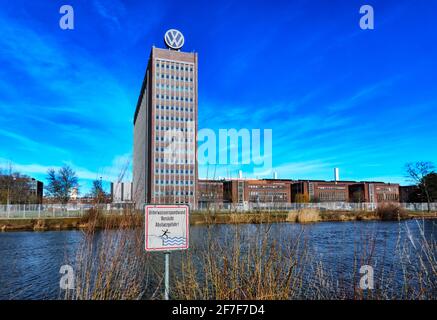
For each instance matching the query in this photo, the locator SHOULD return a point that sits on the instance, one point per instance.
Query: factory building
(210, 193)
(243, 191)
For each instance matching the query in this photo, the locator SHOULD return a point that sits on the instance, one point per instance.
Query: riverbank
(45, 224)
(300, 216)
(202, 218)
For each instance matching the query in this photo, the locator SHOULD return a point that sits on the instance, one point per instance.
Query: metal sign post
(166, 230)
(167, 275)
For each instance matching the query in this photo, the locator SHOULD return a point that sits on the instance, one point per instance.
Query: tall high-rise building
(165, 128)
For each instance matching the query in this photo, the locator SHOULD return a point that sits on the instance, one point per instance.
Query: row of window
(332, 196)
(174, 193)
(174, 128)
(180, 150)
(177, 171)
(174, 108)
(174, 182)
(170, 118)
(174, 139)
(172, 87)
(172, 77)
(331, 188)
(174, 161)
(165, 97)
(268, 194)
(174, 67)
(168, 139)
(387, 197)
(268, 199)
(256, 186)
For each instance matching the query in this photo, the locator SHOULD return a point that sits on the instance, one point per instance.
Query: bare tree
(418, 173)
(61, 183)
(98, 192)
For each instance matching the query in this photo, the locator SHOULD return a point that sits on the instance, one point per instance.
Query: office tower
(165, 127)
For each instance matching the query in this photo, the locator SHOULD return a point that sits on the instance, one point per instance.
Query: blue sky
(333, 94)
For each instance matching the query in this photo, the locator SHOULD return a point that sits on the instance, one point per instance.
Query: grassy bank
(301, 216)
(39, 224)
(93, 219)
(96, 220)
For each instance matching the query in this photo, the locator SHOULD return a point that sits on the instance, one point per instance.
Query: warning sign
(167, 227)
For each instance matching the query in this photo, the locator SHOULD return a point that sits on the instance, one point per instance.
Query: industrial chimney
(336, 174)
(240, 174)
(275, 175)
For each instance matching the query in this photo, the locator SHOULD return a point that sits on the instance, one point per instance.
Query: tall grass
(250, 262)
(390, 212)
(258, 269)
(111, 264)
(304, 216)
(290, 269)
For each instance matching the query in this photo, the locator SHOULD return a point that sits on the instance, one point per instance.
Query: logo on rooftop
(174, 39)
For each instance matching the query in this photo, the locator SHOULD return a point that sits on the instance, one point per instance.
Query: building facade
(374, 192)
(410, 194)
(165, 127)
(210, 193)
(243, 191)
(20, 190)
(36, 190)
(344, 191)
(320, 191)
(121, 192)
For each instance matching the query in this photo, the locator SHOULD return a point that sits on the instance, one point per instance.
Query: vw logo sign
(174, 39)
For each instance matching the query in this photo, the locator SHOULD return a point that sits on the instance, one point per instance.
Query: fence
(333, 206)
(36, 211)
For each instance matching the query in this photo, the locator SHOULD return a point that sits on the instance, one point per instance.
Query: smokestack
(336, 174)
(240, 174)
(275, 175)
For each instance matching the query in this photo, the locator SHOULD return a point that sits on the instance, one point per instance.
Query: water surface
(30, 261)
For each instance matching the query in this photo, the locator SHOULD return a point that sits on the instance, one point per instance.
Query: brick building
(210, 192)
(345, 191)
(241, 191)
(321, 191)
(410, 194)
(374, 192)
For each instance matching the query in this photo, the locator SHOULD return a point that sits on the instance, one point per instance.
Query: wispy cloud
(362, 95)
(110, 10)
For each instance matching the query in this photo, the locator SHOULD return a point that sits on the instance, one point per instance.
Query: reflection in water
(30, 261)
